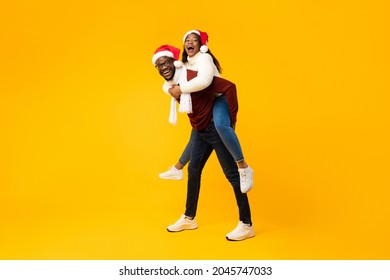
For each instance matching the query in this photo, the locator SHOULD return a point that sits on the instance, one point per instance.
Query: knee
(193, 171)
(232, 175)
(221, 126)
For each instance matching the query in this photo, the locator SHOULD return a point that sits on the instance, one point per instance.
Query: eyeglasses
(163, 65)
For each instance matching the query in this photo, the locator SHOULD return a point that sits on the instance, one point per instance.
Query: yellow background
(84, 130)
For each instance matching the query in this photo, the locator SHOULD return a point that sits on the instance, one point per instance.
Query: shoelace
(243, 173)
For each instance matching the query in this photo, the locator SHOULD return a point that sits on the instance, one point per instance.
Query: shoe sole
(181, 229)
(247, 190)
(240, 239)
(176, 179)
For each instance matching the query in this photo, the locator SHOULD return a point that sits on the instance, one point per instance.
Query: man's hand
(175, 91)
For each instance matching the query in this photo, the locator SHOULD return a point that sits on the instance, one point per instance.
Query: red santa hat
(167, 50)
(203, 38)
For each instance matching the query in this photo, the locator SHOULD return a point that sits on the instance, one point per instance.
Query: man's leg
(244, 228)
(200, 153)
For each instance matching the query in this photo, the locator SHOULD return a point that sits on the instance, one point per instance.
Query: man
(206, 139)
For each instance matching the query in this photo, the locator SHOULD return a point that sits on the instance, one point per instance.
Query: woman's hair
(215, 60)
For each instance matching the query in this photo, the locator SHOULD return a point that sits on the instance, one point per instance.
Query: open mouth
(166, 72)
(190, 48)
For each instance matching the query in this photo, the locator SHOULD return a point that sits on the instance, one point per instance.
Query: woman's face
(192, 45)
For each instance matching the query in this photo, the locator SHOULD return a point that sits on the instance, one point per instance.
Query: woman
(197, 57)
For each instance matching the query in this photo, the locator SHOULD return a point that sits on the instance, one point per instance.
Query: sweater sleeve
(205, 76)
(166, 87)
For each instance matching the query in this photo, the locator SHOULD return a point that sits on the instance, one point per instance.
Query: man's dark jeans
(205, 141)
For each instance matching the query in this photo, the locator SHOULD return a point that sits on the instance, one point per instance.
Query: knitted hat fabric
(203, 38)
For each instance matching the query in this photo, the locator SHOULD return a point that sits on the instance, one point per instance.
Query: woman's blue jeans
(222, 124)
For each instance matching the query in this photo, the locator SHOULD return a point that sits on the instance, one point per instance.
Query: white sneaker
(246, 179)
(182, 224)
(241, 232)
(172, 174)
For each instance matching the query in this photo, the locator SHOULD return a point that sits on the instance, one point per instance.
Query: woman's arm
(166, 87)
(206, 71)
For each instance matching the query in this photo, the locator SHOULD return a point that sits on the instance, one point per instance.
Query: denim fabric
(185, 156)
(204, 143)
(222, 124)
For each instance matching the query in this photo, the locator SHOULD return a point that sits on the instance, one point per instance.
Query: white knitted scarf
(185, 106)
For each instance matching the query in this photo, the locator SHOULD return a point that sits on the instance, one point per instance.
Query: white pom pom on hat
(203, 38)
(169, 51)
(178, 63)
(204, 49)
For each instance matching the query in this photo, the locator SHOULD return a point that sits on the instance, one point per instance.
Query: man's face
(165, 67)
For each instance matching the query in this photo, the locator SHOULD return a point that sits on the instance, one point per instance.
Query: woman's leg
(176, 172)
(185, 156)
(229, 138)
(223, 126)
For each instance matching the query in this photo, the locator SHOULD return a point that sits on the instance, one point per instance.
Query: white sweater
(204, 64)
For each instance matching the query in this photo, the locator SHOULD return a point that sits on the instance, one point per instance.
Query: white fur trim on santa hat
(189, 32)
(161, 54)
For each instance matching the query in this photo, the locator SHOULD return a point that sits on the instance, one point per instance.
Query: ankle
(178, 166)
(242, 164)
